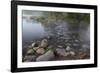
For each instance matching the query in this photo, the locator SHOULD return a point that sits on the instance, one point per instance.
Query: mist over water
(32, 30)
(38, 26)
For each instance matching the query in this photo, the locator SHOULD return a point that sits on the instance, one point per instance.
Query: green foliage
(73, 18)
(47, 49)
(76, 18)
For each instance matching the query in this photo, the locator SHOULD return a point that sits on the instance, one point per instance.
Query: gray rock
(72, 53)
(44, 43)
(68, 48)
(29, 58)
(62, 52)
(84, 46)
(33, 44)
(35, 48)
(30, 51)
(49, 55)
(59, 46)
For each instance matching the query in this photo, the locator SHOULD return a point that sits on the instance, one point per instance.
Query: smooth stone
(49, 55)
(35, 48)
(44, 43)
(75, 44)
(34, 44)
(62, 52)
(30, 51)
(82, 56)
(84, 46)
(72, 53)
(59, 46)
(29, 58)
(40, 51)
(68, 48)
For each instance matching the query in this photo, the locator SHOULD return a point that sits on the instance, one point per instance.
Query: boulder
(68, 48)
(34, 44)
(62, 52)
(44, 43)
(29, 58)
(35, 48)
(40, 51)
(59, 46)
(72, 53)
(30, 51)
(49, 55)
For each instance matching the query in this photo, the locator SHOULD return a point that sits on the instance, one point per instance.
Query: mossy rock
(30, 52)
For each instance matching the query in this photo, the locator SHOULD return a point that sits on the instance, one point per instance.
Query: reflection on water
(32, 30)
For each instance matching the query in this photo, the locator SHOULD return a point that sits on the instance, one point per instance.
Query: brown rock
(82, 55)
(40, 51)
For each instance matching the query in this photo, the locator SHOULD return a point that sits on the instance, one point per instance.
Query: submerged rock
(30, 52)
(68, 48)
(29, 58)
(82, 55)
(34, 44)
(49, 55)
(59, 46)
(72, 53)
(62, 52)
(40, 51)
(35, 48)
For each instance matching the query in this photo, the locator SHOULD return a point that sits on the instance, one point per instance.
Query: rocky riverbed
(46, 50)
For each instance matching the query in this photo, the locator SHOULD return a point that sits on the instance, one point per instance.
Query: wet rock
(72, 53)
(40, 51)
(30, 52)
(35, 48)
(84, 46)
(68, 48)
(59, 46)
(49, 55)
(50, 46)
(82, 55)
(34, 44)
(44, 43)
(29, 58)
(62, 52)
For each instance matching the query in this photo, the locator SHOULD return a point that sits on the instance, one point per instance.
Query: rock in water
(83, 56)
(62, 52)
(29, 58)
(34, 44)
(68, 48)
(44, 43)
(72, 53)
(49, 55)
(30, 52)
(35, 48)
(40, 51)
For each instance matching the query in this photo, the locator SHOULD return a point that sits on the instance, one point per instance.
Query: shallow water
(32, 30)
